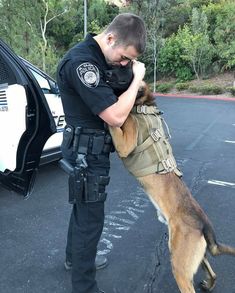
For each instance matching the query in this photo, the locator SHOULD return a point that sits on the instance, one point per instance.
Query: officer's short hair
(130, 31)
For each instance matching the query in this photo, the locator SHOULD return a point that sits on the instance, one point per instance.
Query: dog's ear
(150, 100)
(145, 96)
(140, 93)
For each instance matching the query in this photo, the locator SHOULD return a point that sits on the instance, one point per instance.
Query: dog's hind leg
(209, 283)
(184, 283)
(187, 248)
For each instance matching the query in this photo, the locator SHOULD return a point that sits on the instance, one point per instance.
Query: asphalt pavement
(33, 231)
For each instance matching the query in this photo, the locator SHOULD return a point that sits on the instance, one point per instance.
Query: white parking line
(221, 183)
(119, 221)
(230, 141)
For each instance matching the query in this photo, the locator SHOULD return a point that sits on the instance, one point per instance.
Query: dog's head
(145, 96)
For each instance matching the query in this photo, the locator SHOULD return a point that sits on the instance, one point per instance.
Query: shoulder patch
(88, 74)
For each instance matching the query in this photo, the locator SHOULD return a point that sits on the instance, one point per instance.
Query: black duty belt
(93, 131)
(88, 140)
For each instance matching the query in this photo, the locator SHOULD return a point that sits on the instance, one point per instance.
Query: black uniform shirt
(82, 83)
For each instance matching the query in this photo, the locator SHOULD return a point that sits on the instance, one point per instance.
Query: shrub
(210, 89)
(182, 86)
(165, 87)
(207, 89)
(231, 90)
(183, 73)
(194, 88)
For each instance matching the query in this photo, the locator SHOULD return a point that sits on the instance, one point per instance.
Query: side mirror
(54, 88)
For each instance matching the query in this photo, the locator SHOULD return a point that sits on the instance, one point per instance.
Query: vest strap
(155, 135)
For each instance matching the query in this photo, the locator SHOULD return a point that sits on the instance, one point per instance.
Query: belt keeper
(83, 144)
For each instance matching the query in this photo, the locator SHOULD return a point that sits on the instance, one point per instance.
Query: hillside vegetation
(220, 85)
(187, 39)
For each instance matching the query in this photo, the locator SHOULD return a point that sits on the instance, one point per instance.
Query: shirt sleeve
(90, 84)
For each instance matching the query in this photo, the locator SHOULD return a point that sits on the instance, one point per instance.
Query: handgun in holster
(77, 178)
(77, 181)
(77, 173)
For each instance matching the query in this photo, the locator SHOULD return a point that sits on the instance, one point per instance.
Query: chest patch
(88, 74)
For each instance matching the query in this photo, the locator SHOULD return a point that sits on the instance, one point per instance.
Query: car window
(42, 81)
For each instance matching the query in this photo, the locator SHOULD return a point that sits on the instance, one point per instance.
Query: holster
(95, 188)
(76, 185)
(77, 180)
(84, 188)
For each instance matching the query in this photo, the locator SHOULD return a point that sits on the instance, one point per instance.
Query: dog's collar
(144, 109)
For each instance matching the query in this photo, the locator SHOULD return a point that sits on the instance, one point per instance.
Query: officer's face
(119, 55)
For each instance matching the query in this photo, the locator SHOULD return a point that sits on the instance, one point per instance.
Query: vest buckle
(168, 165)
(142, 109)
(155, 134)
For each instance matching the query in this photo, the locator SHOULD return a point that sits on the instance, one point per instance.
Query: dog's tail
(214, 247)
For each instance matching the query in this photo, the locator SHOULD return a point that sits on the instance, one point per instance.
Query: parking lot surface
(33, 231)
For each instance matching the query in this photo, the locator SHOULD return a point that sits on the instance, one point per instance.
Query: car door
(25, 123)
(51, 150)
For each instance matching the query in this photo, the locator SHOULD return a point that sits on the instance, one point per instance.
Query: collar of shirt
(91, 42)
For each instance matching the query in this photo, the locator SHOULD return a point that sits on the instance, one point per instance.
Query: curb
(185, 96)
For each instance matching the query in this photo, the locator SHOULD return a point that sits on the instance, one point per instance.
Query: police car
(31, 120)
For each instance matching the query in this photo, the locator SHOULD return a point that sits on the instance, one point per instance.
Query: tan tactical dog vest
(153, 153)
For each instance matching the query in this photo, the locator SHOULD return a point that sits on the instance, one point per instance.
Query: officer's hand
(138, 69)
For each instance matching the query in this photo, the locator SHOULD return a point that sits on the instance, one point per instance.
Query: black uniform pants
(85, 228)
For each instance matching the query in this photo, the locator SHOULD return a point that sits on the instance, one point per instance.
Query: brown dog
(190, 231)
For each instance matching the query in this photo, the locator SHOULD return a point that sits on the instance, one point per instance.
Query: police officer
(90, 102)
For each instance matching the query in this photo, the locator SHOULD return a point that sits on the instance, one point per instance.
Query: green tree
(224, 34)
(170, 61)
(153, 12)
(63, 29)
(98, 11)
(155, 18)
(197, 48)
(45, 19)
(26, 32)
(69, 28)
(18, 24)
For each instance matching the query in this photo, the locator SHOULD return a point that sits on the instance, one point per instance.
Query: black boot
(101, 262)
